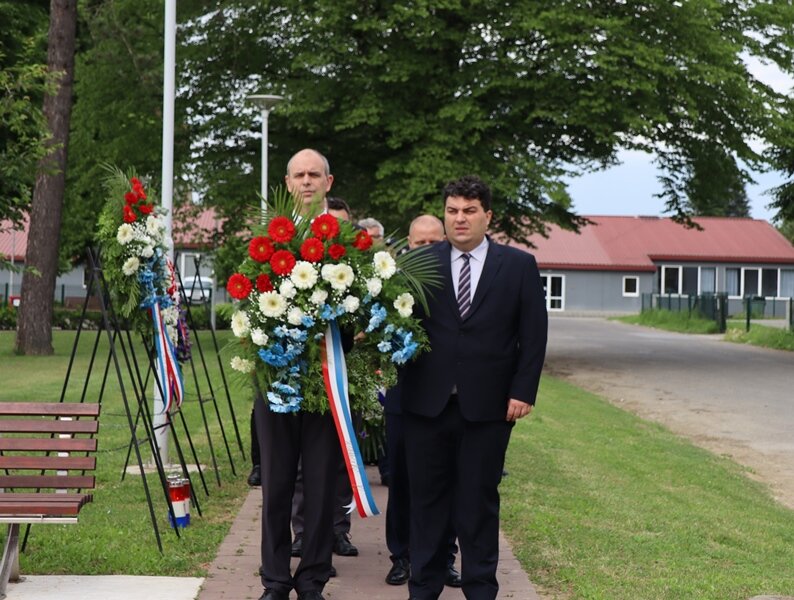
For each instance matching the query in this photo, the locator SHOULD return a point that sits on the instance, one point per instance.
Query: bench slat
(47, 481)
(87, 463)
(49, 444)
(59, 409)
(42, 507)
(47, 426)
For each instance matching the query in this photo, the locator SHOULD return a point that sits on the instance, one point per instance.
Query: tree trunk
(34, 330)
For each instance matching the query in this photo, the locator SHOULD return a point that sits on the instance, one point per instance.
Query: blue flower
(384, 346)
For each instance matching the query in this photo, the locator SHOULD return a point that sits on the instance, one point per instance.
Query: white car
(198, 290)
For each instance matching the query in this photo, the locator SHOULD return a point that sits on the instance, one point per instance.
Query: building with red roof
(612, 261)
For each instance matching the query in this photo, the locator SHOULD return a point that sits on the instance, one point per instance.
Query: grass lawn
(760, 335)
(602, 505)
(114, 533)
(682, 322)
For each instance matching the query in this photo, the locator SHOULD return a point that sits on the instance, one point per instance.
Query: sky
(629, 188)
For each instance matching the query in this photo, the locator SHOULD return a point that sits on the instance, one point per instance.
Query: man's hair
(326, 166)
(370, 222)
(470, 187)
(336, 203)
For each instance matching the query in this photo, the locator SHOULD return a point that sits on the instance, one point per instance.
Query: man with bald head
(424, 230)
(286, 439)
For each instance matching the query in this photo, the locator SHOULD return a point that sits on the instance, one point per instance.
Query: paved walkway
(233, 575)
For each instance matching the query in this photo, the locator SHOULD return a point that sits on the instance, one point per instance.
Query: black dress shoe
(399, 573)
(332, 572)
(297, 546)
(254, 477)
(343, 547)
(270, 594)
(453, 577)
(312, 595)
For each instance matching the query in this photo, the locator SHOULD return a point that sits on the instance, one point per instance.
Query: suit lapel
(493, 262)
(444, 251)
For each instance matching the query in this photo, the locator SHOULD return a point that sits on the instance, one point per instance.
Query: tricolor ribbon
(335, 377)
(167, 364)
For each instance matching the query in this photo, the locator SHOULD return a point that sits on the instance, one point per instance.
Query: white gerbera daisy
(287, 289)
(125, 234)
(294, 316)
(242, 364)
(130, 266)
(154, 226)
(259, 337)
(351, 304)
(404, 303)
(384, 264)
(241, 325)
(272, 304)
(303, 275)
(374, 286)
(318, 297)
(341, 277)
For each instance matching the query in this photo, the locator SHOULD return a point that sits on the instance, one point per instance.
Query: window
(732, 282)
(708, 280)
(690, 281)
(671, 279)
(631, 286)
(751, 282)
(787, 283)
(553, 285)
(769, 283)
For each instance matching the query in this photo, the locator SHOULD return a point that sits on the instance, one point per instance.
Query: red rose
(282, 262)
(135, 182)
(336, 251)
(130, 197)
(260, 249)
(312, 250)
(129, 214)
(325, 227)
(239, 286)
(146, 209)
(363, 240)
(263, 284)
(281, 229)
(137, 188)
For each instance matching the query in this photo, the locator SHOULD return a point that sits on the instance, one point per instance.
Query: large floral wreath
(302, 274)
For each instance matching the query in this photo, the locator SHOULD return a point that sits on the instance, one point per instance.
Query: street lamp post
(265, 102)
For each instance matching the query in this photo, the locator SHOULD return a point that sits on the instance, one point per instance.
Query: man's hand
(517, 409)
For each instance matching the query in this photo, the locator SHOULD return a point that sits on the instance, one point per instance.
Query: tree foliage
(404, 96)
(23, 80)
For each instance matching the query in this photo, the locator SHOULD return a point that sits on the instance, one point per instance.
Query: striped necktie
(464, 286)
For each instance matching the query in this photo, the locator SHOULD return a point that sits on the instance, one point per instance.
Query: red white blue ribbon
(167, 365)
(335, 377)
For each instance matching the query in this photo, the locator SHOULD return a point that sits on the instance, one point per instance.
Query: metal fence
(713, 307)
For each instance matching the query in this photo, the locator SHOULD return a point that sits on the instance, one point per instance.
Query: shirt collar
(477, 253)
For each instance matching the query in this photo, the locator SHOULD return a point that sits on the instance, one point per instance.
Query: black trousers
(285, 439)
(398, 508)
(454, 467)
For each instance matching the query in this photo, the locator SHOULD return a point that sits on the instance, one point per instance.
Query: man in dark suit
(286, 439)
(487, 329)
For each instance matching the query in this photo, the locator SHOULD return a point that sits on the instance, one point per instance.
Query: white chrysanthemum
(272, 304)
(294, 316)
(259, 337)
(130, 266)
(318, 297)
(242, 364)
(384, 264)
(147, 252)
(241, 325)
(374, 286)
(351, 304)
(404, 303)
(287, 289)
(303, 275)
(125, 234)
(340, 276)
(154, 226)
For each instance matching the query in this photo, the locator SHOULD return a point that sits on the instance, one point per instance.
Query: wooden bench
(44, 450)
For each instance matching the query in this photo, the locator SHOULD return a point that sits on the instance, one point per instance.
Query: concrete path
(103, 587)
(233, 574)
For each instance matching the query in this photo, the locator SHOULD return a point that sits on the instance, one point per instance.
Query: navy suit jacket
(495, 353)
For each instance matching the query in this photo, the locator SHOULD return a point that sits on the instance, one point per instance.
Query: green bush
(201, 316)
(8, 317)
(69, 318)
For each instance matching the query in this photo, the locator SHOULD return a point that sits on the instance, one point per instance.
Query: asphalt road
(733, 399)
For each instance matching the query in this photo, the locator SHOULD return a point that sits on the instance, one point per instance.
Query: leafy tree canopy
(404, 96)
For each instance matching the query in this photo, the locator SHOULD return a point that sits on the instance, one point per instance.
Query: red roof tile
(633, 243)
